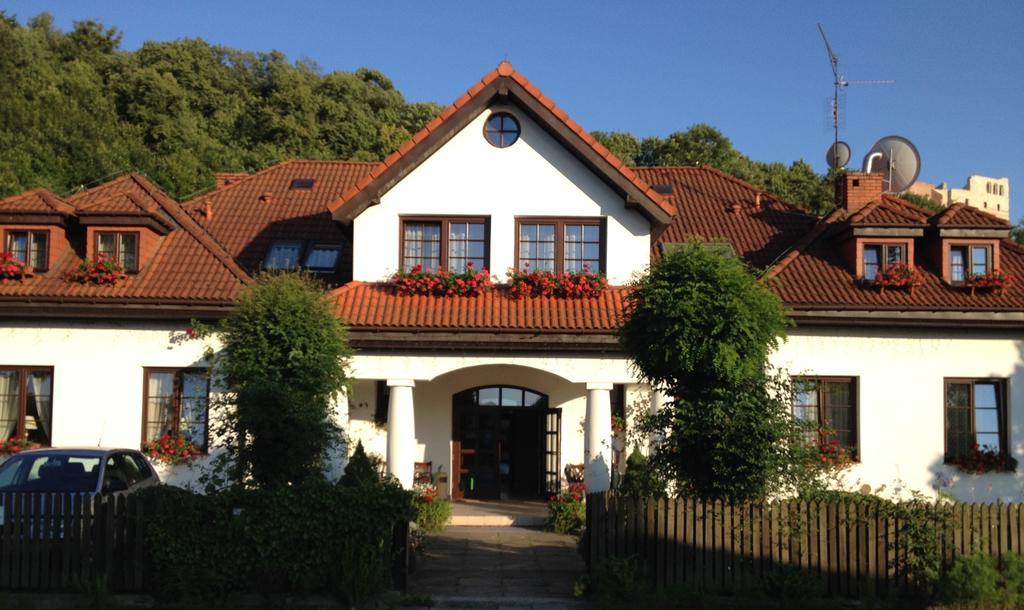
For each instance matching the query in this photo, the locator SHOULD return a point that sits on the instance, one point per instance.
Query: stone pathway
(498, 567)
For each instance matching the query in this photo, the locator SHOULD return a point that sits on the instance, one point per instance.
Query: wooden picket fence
(852, 547)
(51, 541)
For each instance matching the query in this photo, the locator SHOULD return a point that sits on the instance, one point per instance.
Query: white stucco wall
(900, 411)
(535, 176)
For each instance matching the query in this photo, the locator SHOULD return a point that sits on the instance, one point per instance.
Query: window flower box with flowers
(994, 281)
(468, 283)
(567, 285)
(12, 269)
(101, 271)
(432, 511)
(982, 459)
(567, 511)
(17, 445)
(172, 449)
(899, 276)
(833, 454)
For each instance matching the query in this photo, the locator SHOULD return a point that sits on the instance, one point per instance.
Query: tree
(701, 326)
(283, 363)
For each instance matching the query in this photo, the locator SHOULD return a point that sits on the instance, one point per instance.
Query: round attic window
(501, 129)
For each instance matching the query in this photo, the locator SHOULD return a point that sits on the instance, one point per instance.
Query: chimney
(267, 197)
(854, 190)
(207, 211)
(736, 208)
(757, 202)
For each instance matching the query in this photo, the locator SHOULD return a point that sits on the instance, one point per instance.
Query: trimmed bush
(433, 516)
(311, 537)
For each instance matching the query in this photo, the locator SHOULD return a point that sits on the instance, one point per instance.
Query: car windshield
(50, 473)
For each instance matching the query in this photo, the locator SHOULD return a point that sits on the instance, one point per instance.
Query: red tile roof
(374, 306)
(716, 206)
(188, 266)
(503, 71)
(960, 215)
(36, 201)
(248, 214)
(889, 212)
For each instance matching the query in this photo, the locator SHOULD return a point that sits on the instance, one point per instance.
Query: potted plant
(16, 445)
(171, 448)
(565, 285)
(416, 281)
(983, 458)
(12, 268)
(993, 281)
(101, 271)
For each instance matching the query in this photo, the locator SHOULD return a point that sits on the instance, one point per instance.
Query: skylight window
(302, 184)
(322, 257)
(283, 254)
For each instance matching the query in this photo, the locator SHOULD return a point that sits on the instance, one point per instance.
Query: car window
(129, 468)
(142, 465)
(49, 473)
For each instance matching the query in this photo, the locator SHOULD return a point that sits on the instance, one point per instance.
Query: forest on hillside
(76, 109)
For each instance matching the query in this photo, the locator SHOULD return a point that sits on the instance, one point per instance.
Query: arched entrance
(505, 444)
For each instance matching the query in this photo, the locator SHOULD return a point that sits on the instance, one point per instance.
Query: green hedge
(312, 537)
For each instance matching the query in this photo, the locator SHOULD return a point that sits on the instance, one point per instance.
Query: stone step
(493, 520)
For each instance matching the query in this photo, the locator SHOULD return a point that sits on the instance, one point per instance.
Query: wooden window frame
(178, 372)
(883, 247)
(445, 223)
(28, 254)
(560, 222)
(23, 373)
(969, 260)
(1002, 398)
(487, 131)
(117, 247)
(854, 383)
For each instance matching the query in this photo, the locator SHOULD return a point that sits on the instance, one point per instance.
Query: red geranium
(416, 281)
(566, 285)
(12, 268)
(171, 449)
(101, 271)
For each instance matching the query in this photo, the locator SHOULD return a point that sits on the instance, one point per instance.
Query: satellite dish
(897, 159)
(838, 155)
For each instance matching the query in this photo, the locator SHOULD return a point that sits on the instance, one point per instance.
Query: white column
(597, 443)
(337, 454)
(658, 402)
(401, 431)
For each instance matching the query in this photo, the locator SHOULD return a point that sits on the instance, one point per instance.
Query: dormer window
(283, 254)
(879, 256)
(968, 260)
(121, 246)
(29, 247)
(323, 257)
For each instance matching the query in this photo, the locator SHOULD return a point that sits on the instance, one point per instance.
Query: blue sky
(756, 70)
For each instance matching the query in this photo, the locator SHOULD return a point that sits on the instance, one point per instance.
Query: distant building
(991, 195)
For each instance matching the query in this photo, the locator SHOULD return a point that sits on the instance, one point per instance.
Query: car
(79, 470)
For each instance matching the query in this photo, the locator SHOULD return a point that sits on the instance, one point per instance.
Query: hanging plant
(572, 285)
(899, 276)
(468, 283)
(101, 271)
(12, 269)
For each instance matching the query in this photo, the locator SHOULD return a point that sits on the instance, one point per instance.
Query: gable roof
(506, 84)
(37, 202)
(189, 268)
(889, 212)
(960, 215)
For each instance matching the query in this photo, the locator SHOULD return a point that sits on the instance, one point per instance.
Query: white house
(501, 394)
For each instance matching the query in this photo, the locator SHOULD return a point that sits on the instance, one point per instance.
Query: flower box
(993, 281)
(468, 283)
(171, 449)
(574, 285)
(982, 459)
(899, 276)
(102, 271)
(12, 269)
(17, 445)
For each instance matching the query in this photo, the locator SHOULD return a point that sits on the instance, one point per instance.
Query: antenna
(840, 83)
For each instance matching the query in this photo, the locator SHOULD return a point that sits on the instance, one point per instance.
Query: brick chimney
(854, 190)
(223, 179)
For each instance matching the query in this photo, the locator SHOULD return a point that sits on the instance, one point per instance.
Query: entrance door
(505, 444)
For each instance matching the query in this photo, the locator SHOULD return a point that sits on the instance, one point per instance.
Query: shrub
(972, 578)
(308, 537)
(641, 480)
(432, 512)
(567, 511)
